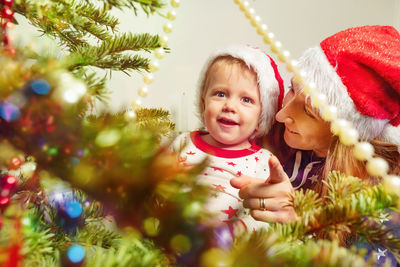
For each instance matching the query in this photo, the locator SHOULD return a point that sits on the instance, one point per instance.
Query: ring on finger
(262, 203)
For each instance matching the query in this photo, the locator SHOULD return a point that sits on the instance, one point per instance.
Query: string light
(347, 134)
(154, 65)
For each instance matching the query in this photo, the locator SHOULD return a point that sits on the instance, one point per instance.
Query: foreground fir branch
(88, 32)
(351, 205)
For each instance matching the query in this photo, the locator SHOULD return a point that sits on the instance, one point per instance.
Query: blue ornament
(9, 112)
(76, 253)
(40, 87)
(75, 161)
(73, 209)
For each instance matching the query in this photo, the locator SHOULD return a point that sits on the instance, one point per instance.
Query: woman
(359, 71)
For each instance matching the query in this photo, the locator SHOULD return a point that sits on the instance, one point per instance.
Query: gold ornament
(148, 78)
(175, 3)
(167, 29)
(159, 53)
(171, 15)
(142, 91)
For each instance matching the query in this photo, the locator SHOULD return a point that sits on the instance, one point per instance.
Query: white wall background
(204, 25)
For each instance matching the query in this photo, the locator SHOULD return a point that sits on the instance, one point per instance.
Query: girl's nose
(229, 106)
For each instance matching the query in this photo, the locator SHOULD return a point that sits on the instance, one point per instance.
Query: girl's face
(304, 128)
(231, 107)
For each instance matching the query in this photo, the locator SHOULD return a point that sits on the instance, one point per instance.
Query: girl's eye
(220, 94)
(247, 100)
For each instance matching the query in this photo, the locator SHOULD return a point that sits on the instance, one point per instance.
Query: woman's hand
(275, 192)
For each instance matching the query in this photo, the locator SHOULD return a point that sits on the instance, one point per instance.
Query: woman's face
(304, 128)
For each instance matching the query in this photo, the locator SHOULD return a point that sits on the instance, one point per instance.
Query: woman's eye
(247, 100)
(308, 113)
(220, 94)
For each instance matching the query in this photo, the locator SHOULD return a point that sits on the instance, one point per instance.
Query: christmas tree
(83, 189)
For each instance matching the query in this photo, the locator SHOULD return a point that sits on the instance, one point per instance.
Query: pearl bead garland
(154, 65)
(349, 136)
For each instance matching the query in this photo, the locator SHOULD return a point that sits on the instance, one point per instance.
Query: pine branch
(132, 252)
(267, 249)
(98, 235)
(129, 41)
(97, 87)
(99, 15)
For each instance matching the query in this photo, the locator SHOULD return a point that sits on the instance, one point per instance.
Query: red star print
(232, 164)
(239, 173)
(219, 187)
(190, 153)
(257, 159)
(217, 169)
(231, 212)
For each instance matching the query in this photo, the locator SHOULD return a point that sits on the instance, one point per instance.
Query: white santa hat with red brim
(358, 69)
(269, 81)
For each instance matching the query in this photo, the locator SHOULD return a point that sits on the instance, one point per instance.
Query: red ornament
(16, 162)
(11, 180)
(4, 201)
(8, 2)
(6, 40)
(7, 13)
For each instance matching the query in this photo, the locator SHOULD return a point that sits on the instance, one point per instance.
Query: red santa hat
(358, 69)
(269, 81)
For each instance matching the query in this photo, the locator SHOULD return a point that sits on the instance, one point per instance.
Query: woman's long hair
(341, 158)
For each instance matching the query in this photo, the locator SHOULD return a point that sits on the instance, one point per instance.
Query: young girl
(240, 92)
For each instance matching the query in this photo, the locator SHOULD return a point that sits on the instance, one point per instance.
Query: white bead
(167, 27)
(363, 151)
(348, 136)
(318, 100)
(338, 125)
(159, 53)
(171, 15)
(329, 113)
(163, 41)
(130, 115)
(138, 102)
(309, 88)
(148, 78)
(262, 29)
(276, 47)
(255, 21)
(244, 6)
(284, 56)
(391, 183)
(142, 91)
(154, 65)
(249, 13)
(300, 76)
(377, 167)
(290, 66)
(175, 3)
(269, 37)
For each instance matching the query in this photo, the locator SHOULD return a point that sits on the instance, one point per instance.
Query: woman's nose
(283, 116)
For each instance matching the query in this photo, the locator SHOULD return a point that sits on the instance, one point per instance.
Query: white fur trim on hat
(391, 134)
(320, 71)
(268, 85)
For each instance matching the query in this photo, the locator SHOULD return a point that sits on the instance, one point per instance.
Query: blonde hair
(341, 158)
(229, 61)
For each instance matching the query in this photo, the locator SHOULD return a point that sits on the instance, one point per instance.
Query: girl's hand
(275, 191)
